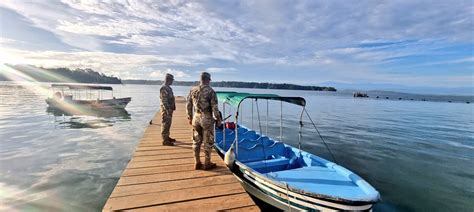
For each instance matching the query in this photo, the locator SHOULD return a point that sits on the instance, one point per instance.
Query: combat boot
(207, 162)
(197, 160)
(209, 166)
(167, 142)
(171, 139)
(198, 166)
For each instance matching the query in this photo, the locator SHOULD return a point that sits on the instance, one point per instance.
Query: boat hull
(64, 104)
(277, 196)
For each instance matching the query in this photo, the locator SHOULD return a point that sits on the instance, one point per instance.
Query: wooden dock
(163, 177)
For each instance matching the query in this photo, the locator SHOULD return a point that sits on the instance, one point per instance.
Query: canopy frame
(235, 99)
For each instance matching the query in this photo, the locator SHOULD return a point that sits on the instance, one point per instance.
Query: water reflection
(87, 117)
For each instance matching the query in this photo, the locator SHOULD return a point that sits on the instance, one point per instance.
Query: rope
(327, 147)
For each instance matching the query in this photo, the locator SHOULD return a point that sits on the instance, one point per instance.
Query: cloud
(221, 70)
(160, 74)
(118, 64)
(140, 37)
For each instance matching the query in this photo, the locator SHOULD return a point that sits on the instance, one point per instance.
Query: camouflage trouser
(204, 133)
(166, 118)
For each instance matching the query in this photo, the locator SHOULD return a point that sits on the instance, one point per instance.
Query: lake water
(418, 154)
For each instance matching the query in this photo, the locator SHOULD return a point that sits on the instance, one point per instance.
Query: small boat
(284, 176)
(359, 94)
(69, 96)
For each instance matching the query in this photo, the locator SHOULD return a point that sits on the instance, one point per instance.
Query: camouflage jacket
(167, 98)
(204, 100)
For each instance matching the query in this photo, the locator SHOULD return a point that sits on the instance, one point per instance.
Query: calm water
(419, 155)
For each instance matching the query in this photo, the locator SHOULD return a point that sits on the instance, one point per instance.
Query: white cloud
(221, 70)
(4, 41)
(121, 65)
(143, 40)
(135, 38)
(114, 27)
(160, 74)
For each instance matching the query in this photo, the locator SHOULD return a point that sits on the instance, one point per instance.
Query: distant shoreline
(236, 84)
(66, 75)
(61, 75)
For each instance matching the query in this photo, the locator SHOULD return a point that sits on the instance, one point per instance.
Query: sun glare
(39, 88)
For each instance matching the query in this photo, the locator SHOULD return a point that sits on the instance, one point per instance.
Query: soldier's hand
(190, 121)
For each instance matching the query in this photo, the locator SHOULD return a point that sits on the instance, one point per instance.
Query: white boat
(67, 96)
(284, 176)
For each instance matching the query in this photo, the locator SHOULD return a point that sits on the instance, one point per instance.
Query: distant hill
(233, 84)
(30, 73)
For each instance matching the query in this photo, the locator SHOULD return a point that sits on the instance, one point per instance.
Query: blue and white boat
(284, 176)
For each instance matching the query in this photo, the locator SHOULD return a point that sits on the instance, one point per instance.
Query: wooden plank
(158, 170)
(156, 152)
(172, 185)
(209, 204)
(151, 178)
(244, 208)
(162, 178)
(152, 199)
(141, 164)
(168, 157)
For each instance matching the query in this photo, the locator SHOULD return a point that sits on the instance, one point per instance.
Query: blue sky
(405, 42)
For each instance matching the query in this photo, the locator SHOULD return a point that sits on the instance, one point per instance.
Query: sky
(402, 42)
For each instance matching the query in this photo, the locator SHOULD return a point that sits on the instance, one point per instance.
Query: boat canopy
(235, 98)
(82, 87)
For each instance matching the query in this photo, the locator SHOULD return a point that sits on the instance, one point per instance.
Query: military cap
(205, 76)
(169, 76)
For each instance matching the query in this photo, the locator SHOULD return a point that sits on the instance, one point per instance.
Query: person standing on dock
(203, 100)
(167, 106)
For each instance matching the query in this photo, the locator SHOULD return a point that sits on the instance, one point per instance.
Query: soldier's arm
(164, 98)
(189, 105)
(215, 107)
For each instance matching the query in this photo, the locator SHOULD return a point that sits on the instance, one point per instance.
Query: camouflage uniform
(204, 101)
(167, 106)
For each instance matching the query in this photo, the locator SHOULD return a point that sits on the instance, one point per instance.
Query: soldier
(167, 106)
(206, 112)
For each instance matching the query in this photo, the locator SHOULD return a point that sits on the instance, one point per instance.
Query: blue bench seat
(271, 165)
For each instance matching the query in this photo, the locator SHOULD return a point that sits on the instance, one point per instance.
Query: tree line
(235, 84)
(90, 76)
(29, 73)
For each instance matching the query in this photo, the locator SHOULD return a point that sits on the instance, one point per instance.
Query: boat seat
(219, 135)
(276, 150)
(243, 143)
(252, 135)
(230, 135)
(273, 165)
(253, 153)
(265, 141)
(247, 143)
